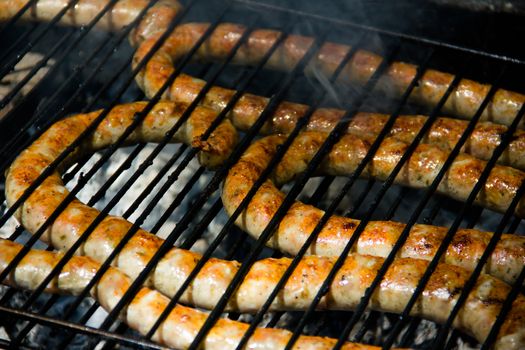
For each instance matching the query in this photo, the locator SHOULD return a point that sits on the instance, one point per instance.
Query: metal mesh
(90, 69)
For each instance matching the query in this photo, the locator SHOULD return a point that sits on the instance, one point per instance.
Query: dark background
(488, 25)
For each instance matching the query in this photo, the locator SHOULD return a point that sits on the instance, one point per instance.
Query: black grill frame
(17, 143)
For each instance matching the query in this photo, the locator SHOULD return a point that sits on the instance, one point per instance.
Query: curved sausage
(180, 327)
(463, 102)
(213, 279)
(123, 13)
(444, 132)
(378, 237)
(185, 89)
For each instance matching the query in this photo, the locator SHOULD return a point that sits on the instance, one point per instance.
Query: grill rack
(17, 143)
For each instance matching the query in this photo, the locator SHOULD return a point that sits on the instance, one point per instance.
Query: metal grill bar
(15, 343)
(45, 110)
(8, 98)
(125, 165)
(9, 24)
(79, 329)
(11, 63)
(372, 318)
(513, 226)
(171, 179)
(178, 199)
(391, 212)
(360, 200)
(506, 138)
(73, 192)
(475, 217)
(321, 189)
(83, 320)
(190, 240)
(13, 46)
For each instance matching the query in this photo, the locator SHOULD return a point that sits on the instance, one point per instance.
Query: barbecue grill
(82, 69)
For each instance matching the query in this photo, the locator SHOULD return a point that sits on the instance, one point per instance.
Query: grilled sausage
(179, 328)
(463, 101)
(439, 297)
(444, 132)
(121, 14)
(379, 237)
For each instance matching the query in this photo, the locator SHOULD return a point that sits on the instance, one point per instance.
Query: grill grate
(80, 87)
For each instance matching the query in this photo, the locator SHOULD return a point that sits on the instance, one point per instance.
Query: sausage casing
(445, 132)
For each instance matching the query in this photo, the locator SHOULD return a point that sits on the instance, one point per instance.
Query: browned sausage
(378, 237)
(121, 14)
(441, 293)
(463, 102)
(445, 133)
(180, 327)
